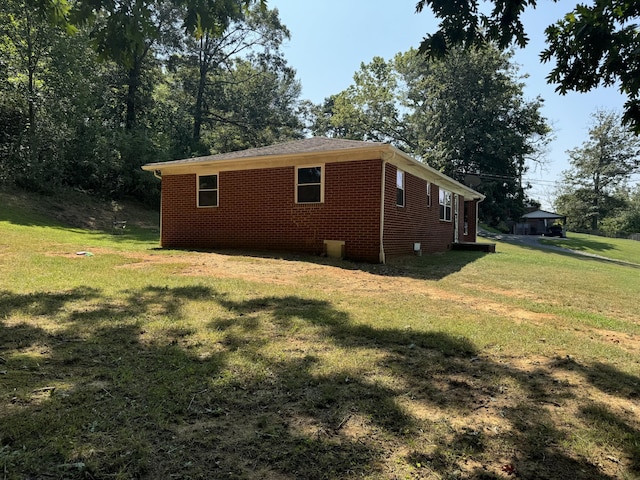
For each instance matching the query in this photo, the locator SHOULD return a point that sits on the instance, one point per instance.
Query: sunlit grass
(615, 248)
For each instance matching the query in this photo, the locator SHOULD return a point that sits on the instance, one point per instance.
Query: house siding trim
(255, 163)
(382, 187)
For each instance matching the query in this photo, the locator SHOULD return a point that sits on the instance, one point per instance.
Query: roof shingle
(306, 145)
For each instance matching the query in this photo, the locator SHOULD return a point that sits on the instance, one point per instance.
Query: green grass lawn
(614, 248)
(144, 363)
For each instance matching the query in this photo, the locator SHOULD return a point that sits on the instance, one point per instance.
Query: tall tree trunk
(132, 90)
(203, 68)
(32, 63)
(197, 112)
(596, 203)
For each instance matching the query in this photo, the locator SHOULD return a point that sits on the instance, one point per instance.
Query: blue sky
(331, 38)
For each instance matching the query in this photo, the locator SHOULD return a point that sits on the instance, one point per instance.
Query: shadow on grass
(565, 251)
(582, 244)
(434, 266)
(251, 396)
(573, 250)
(42, 303)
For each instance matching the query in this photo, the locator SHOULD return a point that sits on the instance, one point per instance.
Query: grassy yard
(135, 362)
(614, 248)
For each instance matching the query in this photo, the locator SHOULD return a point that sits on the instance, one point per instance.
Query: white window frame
(297, 184)
(445, 200)
(428, 194)
(217, 190)
(400, 186)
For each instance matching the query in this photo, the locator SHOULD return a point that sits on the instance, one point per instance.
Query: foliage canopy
(591, 45)
(86, 110)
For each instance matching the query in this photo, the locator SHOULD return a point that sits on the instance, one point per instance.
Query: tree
(370, 109)
(26, 42)
(627, 219)
(591, 45)
(256, 106)
(601, 165)
(126, 31)
(630, 218)
(464, 114)
(258, 33)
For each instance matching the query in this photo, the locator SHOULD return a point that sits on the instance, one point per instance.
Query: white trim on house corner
(382, 182)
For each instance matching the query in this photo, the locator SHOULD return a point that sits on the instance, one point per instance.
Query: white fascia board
(385, 152)
(200, 164)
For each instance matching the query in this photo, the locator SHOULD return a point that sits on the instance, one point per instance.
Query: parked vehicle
(555, 231)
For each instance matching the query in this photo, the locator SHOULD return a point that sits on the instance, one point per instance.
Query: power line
(541, 181)
(634, 178)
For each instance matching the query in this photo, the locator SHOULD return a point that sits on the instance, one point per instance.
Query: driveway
(527, 240)
(534, 241)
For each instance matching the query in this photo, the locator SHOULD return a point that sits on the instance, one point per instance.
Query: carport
(537, 222)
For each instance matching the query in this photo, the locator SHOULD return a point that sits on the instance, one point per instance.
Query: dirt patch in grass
(371, 280)
(361, 282)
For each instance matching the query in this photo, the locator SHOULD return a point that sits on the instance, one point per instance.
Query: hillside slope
(74, 209)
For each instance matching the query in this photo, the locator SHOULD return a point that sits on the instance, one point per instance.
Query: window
(208, 190)
(309, 185)
(445, 205)
(400, 185)
(428, 194)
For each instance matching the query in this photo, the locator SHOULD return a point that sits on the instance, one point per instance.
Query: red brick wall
(257, 210)
(415, 222)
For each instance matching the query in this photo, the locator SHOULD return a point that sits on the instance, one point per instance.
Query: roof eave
(385, 152)
(262, 161)
(431, 173)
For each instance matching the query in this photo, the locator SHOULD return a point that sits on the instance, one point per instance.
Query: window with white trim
(208, 190)
(309, 185)
(428, 194)
(400, 188)
(445, 205)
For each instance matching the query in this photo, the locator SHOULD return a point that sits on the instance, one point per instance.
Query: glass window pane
(309, 194)
(208, 182)
(208, 198)
(309, 175)
(441, 212)
(400, 185)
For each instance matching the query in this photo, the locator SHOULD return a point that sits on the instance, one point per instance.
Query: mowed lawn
(136, 362)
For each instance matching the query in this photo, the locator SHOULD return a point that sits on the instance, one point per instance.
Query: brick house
(359, 200)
